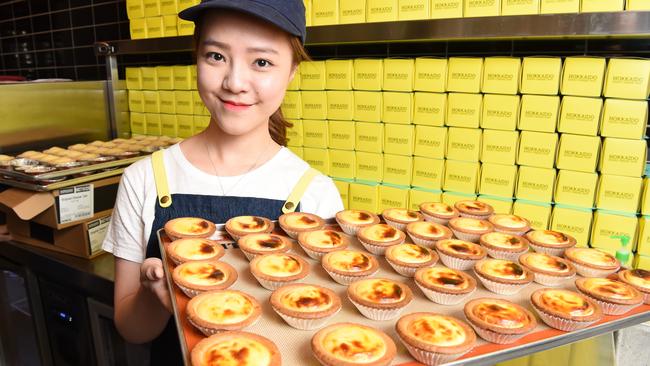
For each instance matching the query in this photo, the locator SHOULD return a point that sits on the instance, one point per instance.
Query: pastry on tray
(195, 277)
(379, 298)
(502, 276)
(347, 266)
(236, 348)
(459, 254)
(444, 285)
(499, 321)
(592, 262)
(548, 270)
(639, 279)
(376, 238)
(564, 309)
(220, 310)
(305, 306)
(353, 220)
(317, 243)
(349, 344)
(438, 212)
(503, 245)
(400, 217)
(614, 297)
(550, 241)
(277, 269)
(427, 233)
(510, 224)
(189, 227)
(294, 223)
(244, 225)
(263, 243)
(469, 229)
(474, 209)
(194, 249)
(407, 258)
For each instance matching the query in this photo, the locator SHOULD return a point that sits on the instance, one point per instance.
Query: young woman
(246, 55)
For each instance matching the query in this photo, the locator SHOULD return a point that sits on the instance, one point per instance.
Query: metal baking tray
(65, 172)
(35, 186)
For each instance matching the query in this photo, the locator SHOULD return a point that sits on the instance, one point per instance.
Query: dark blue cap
(288, 15)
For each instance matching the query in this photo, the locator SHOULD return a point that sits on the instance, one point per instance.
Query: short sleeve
(322, 198)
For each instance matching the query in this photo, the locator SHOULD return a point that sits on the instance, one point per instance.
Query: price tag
(96, 232)
(75, 203)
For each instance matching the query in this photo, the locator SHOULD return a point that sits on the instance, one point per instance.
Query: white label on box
(76, 203)
(96, 232)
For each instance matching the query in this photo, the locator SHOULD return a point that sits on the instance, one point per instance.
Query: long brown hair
(277, 123)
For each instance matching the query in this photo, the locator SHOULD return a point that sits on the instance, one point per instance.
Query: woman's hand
(152, 277)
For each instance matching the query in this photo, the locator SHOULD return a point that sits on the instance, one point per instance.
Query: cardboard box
(182, 77)
(149, 80)
(295, 132)
(369, 166)
(419, 196)
(414, 9)
(537, 213)
(317, 159)
(368, 74)
(539, 113)
(590, 6)
(537, 149)
(445, 9)
(198, 108)
(184, 102)
(624, 118)
(382, 11)
(645, 197)
(313, 75)
(643, 246)
(642, 262)
(500, 112)
(367, 106)
(169, 7)
(138, 28)
(168, 125)
(637, 5)
(465, 73)
(583, 76)
(464, 110)
(430, 74)
(627, 78)
(428, 173)
(559, 6)
(499, 147)
(185, 125)
(398, 169)
(580, 115)
(392, 197)
(578, 152)
(369, 137)
(575, 222)
(292, 105)
(451, 198)
(541, 74)
(315, 133)
(170, 25)
(151, 101)
(298, 150)
(461, 176)
(151, 8)
(618, 193)
(498, 180)
(193, 81)
(482, 8)
(364, 197)
(341, 135)
(399, 139)
(398, 74)
(501, 74)
(295, 82)
(607, 224)
(167, 102)
(339, 74)
(153, 125)
(136, 101)
(397, 107)
(500, 205)
(535, 184)
(133, 78)
(575, 188)
(324, 12)
(520, 7)
(352, 11)
(340, 105)
(308, 11)
(138, 125)
(184, 27)
(343, 187)
(623, 157)
(154, 27)
(342, 164)
(314, 104)
(429, 108)
(464, 144)
(134, 9)
(430, 142)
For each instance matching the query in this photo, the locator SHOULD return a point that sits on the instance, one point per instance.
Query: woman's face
(244, 66)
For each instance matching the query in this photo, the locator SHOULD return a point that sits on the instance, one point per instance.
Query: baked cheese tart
(444, 285)
(459, 254)
(434, 339)
(317, 243)
(263, 243)
(220, 310)
(550, 241)
(400, 217)
(305, 306)
(347, 266)
(474, 209)
(189, 227)
(548, 270)
(510, 224)
(349, 344)
(438, 212)
(379, 298)
(195, 277)
(564, 309)
(614, 297)
(236, 348)
(427, 233)
(353, 220)
(294, 223)
(639, 279)
(407, 258)
(194, 249)
(502, 276)
(499, 321)
(244, 225)
(469, 229)
(277, 269)
(501, 245)
(376, 238)
(592, 262)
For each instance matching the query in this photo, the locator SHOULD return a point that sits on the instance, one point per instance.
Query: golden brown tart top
(236, 348)
(547, 264)
(193, 249)
(276, 266)
(566, 304)
(401, 215)
(263, 243)
(380, 292)
(502, 270)
(357, 217)
(381, 234)
(445, 280)
(428, 230)
(305, 301)
(190, 227)
(300, 221)
(504, 242)
(324, 240)
(223, 309)
(592, 257)
(638, 278)
(608, 290)
(411, 255)
(349, 344)
(477, 208)
(436, 333)
(243, 225)
(350, 262)
(461, 249)
(550, 238)
(205, 275)
(509, 222)
(438, 209)
(500, 316)
(470, 225)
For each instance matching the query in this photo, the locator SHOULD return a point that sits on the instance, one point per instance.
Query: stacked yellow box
(158, 18)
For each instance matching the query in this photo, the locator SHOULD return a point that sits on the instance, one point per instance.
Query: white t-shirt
(133, 215)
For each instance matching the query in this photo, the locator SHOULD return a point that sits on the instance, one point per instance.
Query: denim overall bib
(165, 349)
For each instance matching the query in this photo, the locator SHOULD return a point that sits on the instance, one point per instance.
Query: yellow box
(315, 133)
(499, 147)
(184, 4)
(637, 5)
(519, 7)
(182, 77)
(500, 112)
(501, 205)
(539, 113)
(398, 74)
(168, 125)
(445, 9)
(559, 6)
(154, 27)
(418, 196)
(465, 73)
(134, 9)
(392, 197)
(369, 137)
(381, 11)
(339, 74)
(364, 197)
(184, 103)
(464, 144)
(367, 106)
(624, 118)
(645, 197)
(200, 123)
(430, 142)
(430, 74)
(308, 11)
(501, 74)
(498, 180)
(535, 184)
(607, 224)
(627, 78)
(578, 152)
(537, 213)
(324, 12)
(352, 11)
(151, 101)
(295, 82)
(184, 27)
(193, 82)
(541, 75)
(292, 105)
(537, 149)
(169, 7)
(399, 139)
(369, 166)
(398, 169)
(368, 74)
(295, 132)
(317, 159)
(428, 173)
(340, 104)
(165, 77)
(482, 8)
(149, 80)
(341, 135)
(343, 187)
(342, 164)
(590, 6)
(314, 104)
(136, 101)
(451, 198)
(152, 121)
(580, 115)
(461, 176)
(298, 150)
(623, 157)
(167, 102)
(138, 28)
(642, 262)
(583, 76)
(619, 193)
(151, 8)
(170, 25)
(414, 9)
(576, 223)
(575, 188)
(133, 78)
(185, 125)
(643, 246)
(313, 75)
(397, 107)
(138, 125)
(464, 110)
(429, 108)
(198, 108)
